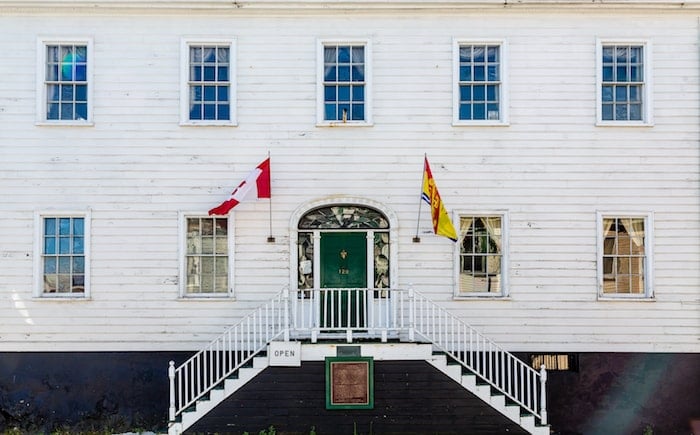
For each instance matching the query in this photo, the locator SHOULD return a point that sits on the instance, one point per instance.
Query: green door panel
(343, 265)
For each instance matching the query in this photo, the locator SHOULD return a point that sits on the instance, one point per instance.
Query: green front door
(343, 265)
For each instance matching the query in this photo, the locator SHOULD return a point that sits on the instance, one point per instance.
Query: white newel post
(411, 314)
(543, 393)
(171, 375)
(287, 307)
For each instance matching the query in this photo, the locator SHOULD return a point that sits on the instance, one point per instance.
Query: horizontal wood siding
(551, 169)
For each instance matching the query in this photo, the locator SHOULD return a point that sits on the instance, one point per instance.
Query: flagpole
(416, 239)
(270, 238)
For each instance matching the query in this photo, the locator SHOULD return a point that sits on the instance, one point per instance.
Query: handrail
(237, 345)
(362, 311)
(499, 368)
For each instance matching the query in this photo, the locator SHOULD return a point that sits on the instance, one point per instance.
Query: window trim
(185, 44)
(505, 249)
(38, 285)
(503, 120)
(182, 242)
(647, 103)
(648, 256)
(320, 119)
(41, 97)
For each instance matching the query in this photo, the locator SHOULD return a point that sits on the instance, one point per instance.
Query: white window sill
(626, 299)
(480, 124)
(344, 124)
(209, 124)
(623, 124)
(67, 298)
(481, 297)
(65, 124)
(207, 297)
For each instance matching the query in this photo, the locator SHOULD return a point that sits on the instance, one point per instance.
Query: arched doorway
(342, 259)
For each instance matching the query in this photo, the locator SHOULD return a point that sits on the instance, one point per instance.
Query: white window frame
(505, 248)
(185, 44)
(41, 96)
(39, 253)
(648, 255)
(503, 89)
(647, 102)
(320, 112)
(182, 238)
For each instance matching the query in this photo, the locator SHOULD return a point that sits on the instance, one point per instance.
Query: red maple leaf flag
(257, 182)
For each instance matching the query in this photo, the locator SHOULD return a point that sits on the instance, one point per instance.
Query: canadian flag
(257, 182)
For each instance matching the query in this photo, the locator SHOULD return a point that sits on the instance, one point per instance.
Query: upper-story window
(63, 260)
(206, 261)
(624, 260)
(479, 93)
(208, 94)
(65, 88)
(344, 83)
(624, 96)
(481, 256)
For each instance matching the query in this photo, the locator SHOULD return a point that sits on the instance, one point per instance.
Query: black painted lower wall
(611, 393)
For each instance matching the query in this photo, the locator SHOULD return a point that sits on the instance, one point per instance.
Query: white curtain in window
(493, 227)
(635, 228)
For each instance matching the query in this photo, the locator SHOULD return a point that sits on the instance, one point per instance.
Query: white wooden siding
(551, 168)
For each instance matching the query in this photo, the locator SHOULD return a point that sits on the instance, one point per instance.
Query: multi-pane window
(66, 82)
(479, 82)
(622, 88)
(345, 83)
(624, 256)
(209, 82)
(481, 255)
(63, 255)
(207, 256)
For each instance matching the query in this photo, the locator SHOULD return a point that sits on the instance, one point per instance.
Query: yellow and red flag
(442, 225)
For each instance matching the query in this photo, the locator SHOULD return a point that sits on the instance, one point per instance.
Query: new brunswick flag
(442, 225)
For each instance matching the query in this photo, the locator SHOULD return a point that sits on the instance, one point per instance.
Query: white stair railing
(227, 353)
(365, 312)
(499, 368)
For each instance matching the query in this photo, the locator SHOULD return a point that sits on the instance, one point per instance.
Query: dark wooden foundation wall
(117, 392)
(85, 392)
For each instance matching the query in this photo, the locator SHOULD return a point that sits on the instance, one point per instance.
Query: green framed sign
(349, 382)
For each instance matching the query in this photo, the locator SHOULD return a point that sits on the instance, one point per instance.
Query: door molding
(304, 208)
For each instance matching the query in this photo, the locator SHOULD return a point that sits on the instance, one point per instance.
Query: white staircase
(217, 395)
(494, 375)
(484, 392)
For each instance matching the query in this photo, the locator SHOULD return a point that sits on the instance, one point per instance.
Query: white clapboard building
(563, 141)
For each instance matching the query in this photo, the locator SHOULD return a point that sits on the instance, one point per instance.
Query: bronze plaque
(349, 382)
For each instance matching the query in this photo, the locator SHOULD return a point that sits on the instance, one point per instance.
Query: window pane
(329, 93)
(343, 93)
(50, 245)
(50, 265)
(343, 73)
(358, 93)
(465, 73)
(77, 245)
(50, 226)
(358, 112)
(343, 54)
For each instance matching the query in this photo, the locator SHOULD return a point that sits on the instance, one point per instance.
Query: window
(344, 83)
(65, 74)
(623, 263)
(207, 257)
(479, 86)
(623, 83)
(207, 94)
(481, 259)
(63, 261)
(565, 362)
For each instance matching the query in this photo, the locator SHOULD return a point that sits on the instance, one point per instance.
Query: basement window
(565, 362)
